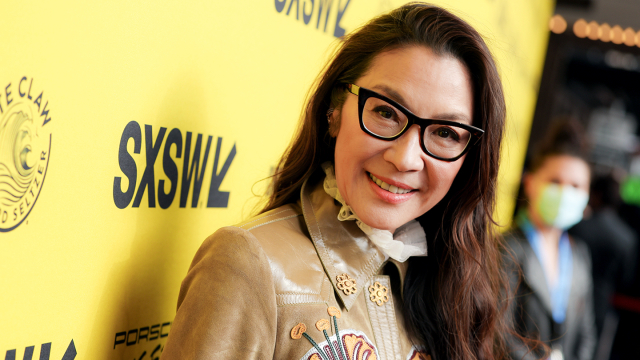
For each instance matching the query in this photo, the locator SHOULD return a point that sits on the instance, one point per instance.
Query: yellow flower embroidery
(333, 311)
(296, 332)
(323, 324)
(346, 284)
(378, 293)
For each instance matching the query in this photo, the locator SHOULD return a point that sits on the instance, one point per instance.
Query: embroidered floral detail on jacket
(298, 330)
(378, 293)
(323, 324)
(356, 345)
(333, 311)
(418, 354)
(347, 284)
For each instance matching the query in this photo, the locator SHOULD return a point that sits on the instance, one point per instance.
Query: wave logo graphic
(25, 146)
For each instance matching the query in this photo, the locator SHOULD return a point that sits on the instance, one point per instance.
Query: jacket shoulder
(515, 244)
(275, 216)
(297, 272)
(227, 287)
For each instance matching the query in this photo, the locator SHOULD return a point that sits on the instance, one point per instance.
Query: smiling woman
(397, 153)
(431, 86)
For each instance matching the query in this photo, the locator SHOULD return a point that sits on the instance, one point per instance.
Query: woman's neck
(549, 234)
(549, 240)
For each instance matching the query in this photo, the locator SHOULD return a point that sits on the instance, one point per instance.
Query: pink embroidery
(355, 344)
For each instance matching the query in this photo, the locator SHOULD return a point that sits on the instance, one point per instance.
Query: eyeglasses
(387, 120)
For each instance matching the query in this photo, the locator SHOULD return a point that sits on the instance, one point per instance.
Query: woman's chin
(382, 222)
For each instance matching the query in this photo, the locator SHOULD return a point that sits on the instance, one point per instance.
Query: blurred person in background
(613, 253)
(549, 270)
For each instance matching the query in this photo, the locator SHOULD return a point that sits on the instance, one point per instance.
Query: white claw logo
(24, 152)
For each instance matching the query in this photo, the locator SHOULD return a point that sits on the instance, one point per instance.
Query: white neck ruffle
(408, 240)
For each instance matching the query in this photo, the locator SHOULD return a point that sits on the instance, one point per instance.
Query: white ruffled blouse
(408, 240)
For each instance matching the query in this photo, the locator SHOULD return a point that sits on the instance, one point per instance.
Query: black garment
(531, 309)
(613, 250)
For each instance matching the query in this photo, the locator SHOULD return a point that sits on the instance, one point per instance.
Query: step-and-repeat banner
(131, 130)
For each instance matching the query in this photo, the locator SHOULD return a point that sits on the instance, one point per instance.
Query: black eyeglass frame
(363, 94)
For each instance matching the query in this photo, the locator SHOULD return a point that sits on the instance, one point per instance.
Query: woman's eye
(385, 112)
(447, 133)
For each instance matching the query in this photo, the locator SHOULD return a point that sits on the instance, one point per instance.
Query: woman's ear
(527, 184)
(333, 117)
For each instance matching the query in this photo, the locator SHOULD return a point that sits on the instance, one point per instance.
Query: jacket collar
(533, 272)
(342, 247)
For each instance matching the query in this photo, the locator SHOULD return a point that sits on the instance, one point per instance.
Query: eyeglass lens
(385, 120)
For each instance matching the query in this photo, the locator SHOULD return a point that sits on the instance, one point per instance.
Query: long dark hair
(452, 298)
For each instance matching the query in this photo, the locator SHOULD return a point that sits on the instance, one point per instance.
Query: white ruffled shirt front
(408, 240)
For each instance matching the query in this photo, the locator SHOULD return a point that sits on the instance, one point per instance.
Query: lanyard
(560, 292)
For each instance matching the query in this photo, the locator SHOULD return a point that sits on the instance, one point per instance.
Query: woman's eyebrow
(458, 117)
(394, 95)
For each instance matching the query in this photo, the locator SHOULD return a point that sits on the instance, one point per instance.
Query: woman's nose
(405, 152)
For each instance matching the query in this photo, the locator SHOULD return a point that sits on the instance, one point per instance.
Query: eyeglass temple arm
(354, 89)
(478, 135)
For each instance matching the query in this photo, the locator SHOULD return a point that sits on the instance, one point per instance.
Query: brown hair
(452, 297)
(566, 136)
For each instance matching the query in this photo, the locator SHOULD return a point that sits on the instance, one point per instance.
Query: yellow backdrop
(131, 130)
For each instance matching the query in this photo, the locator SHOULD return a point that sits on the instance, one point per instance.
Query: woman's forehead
(565, 167)
(428, 84)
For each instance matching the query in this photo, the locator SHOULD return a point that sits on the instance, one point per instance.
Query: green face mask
(561, 206)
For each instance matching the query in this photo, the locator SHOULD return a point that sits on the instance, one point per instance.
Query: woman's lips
(388, 196)
(396, 189)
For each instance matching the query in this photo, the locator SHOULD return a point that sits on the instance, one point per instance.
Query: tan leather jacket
(266, 288)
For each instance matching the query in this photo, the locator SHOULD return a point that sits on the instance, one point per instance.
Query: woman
(551, 269)
(324, 272)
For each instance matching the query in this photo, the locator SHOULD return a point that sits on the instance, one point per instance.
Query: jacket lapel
(534, 275)
(578, 284)
(342, 247)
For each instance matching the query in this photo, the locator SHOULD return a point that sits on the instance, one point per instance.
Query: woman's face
(563, 170)
(430, 86)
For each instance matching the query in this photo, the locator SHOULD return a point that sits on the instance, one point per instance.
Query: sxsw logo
(195, 164)
(45, 352)
(320, 9)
